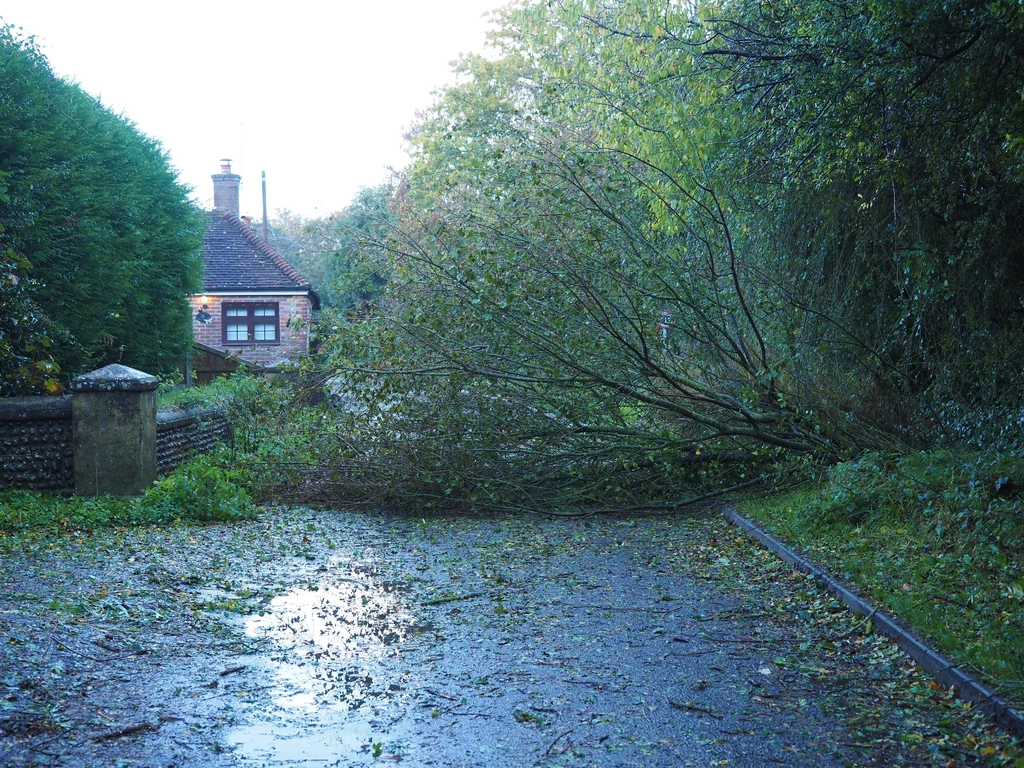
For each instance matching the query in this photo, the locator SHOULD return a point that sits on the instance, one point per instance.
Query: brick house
(254, 306)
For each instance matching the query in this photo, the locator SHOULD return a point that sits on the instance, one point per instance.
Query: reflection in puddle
(327, 634)
(347, 616)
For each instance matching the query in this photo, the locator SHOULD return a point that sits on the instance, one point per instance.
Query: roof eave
(294, 290)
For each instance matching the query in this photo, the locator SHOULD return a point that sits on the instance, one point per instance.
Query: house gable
(254, 304)
(236, 259)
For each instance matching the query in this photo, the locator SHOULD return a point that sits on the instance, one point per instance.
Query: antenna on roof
(265, 238)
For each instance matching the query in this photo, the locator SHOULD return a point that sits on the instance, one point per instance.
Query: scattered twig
(691, 707)
(357, 582)
(439, 695)
(671, 506)
(695, 653)
(284, 623)
(754, 640)
(233, 670)
(20, 722)
(72, 651)
(597, 684)
(37, 746)
(453, 598)
(128, 730)
(625, 609)
(558, 739)
(729, 615)
(236, 692)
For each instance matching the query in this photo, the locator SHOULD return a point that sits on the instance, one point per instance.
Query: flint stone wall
(35, 444)
(183, 435)
(36, 449)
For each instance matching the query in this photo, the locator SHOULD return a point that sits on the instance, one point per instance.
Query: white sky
(317, 94)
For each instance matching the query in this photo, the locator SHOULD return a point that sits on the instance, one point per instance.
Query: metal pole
(266, 239)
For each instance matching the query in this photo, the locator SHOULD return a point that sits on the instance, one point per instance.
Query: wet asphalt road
(517, 645)
(479, 642)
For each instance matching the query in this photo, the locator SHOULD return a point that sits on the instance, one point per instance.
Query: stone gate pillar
(113, 413)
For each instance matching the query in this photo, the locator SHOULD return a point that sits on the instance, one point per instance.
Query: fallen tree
(630, 256)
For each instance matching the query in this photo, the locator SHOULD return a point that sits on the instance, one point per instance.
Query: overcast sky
(317, 94)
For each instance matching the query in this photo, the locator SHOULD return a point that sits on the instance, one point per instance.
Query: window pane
(237, 332)
(237, 312)
(265, 311)
(266, 332)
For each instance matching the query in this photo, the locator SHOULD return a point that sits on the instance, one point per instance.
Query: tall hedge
(98, 220)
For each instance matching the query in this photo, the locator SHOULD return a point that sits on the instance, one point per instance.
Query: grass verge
(935, 538)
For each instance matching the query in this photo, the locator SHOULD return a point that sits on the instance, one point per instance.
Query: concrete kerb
(998, 710)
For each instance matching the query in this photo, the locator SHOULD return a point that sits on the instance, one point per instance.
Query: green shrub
(220, 391)
(254, 406)
(975, 493)
(200, 491)
(255, 411)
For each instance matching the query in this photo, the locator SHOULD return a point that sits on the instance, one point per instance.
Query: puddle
(301, 743)
(348, 615)
(327, 634)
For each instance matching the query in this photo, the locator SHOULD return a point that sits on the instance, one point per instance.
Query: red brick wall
(295, 314)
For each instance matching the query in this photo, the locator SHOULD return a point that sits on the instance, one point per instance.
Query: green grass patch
(936, 538)
(200, 491)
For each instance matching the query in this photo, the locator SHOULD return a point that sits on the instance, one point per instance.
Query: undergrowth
(208, 489)
(201, 491)
(936, 538)
(221, 391)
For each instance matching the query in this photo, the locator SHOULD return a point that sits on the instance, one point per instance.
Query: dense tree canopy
(95, 220)
(651, 241)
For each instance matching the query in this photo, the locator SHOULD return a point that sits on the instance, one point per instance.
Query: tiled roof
(236, 259)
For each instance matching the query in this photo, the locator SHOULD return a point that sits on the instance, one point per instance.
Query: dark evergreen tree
(97, 219)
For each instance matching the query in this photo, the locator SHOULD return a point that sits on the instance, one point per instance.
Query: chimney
(225, 188)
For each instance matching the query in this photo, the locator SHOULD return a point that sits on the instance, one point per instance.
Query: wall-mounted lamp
(204, 317)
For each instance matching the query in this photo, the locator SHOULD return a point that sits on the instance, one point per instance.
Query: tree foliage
(324, 249)
(891, 129)
(27, 338)
(98, 223)
(652, 241)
